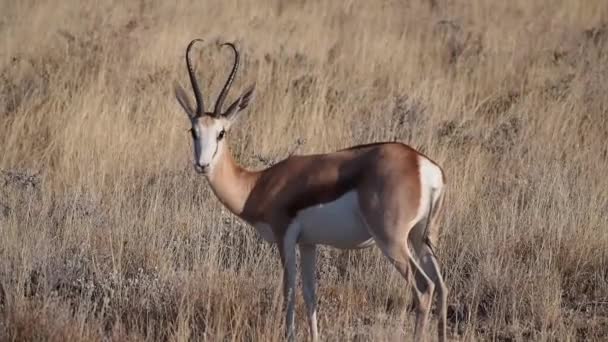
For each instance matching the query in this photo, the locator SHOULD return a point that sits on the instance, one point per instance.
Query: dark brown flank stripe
(300, 182)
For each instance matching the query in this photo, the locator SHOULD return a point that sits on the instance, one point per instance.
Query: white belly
(338, 224)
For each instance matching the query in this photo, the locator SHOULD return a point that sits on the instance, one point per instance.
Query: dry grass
(106, 231)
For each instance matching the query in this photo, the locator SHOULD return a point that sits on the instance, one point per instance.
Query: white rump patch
(431, 181)
(430, 173)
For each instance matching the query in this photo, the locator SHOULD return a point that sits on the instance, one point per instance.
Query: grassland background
(106, 231)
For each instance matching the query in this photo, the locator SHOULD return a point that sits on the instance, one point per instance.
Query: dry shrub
(107, 234)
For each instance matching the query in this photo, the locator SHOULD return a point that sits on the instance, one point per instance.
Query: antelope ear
(182, 98)
(241, 103)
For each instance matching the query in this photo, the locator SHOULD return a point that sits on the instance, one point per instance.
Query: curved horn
(200, 106)
(222, 96)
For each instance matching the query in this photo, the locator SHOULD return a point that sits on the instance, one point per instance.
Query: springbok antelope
(386, 194)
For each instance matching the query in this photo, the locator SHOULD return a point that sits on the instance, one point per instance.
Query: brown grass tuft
(106, 233)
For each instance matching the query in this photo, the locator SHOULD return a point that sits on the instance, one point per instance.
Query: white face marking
(208, 136)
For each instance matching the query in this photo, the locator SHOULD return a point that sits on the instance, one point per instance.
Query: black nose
(201, 168)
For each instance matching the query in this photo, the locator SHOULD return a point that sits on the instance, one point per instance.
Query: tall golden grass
(106, 232)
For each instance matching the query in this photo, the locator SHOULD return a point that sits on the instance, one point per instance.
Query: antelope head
(209, 129)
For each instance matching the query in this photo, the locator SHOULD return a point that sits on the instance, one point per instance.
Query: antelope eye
(192, 132)
(221, 135)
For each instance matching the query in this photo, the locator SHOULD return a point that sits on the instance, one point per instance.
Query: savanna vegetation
(107, 233)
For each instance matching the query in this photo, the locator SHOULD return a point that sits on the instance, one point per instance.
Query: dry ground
(106, 231)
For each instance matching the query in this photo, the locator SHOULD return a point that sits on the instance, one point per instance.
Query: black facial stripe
(194, 133)
(215, 152)
(219, 137)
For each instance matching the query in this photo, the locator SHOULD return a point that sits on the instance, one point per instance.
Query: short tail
(431, 232)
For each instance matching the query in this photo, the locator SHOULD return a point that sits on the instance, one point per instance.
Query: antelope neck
(231, 183)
